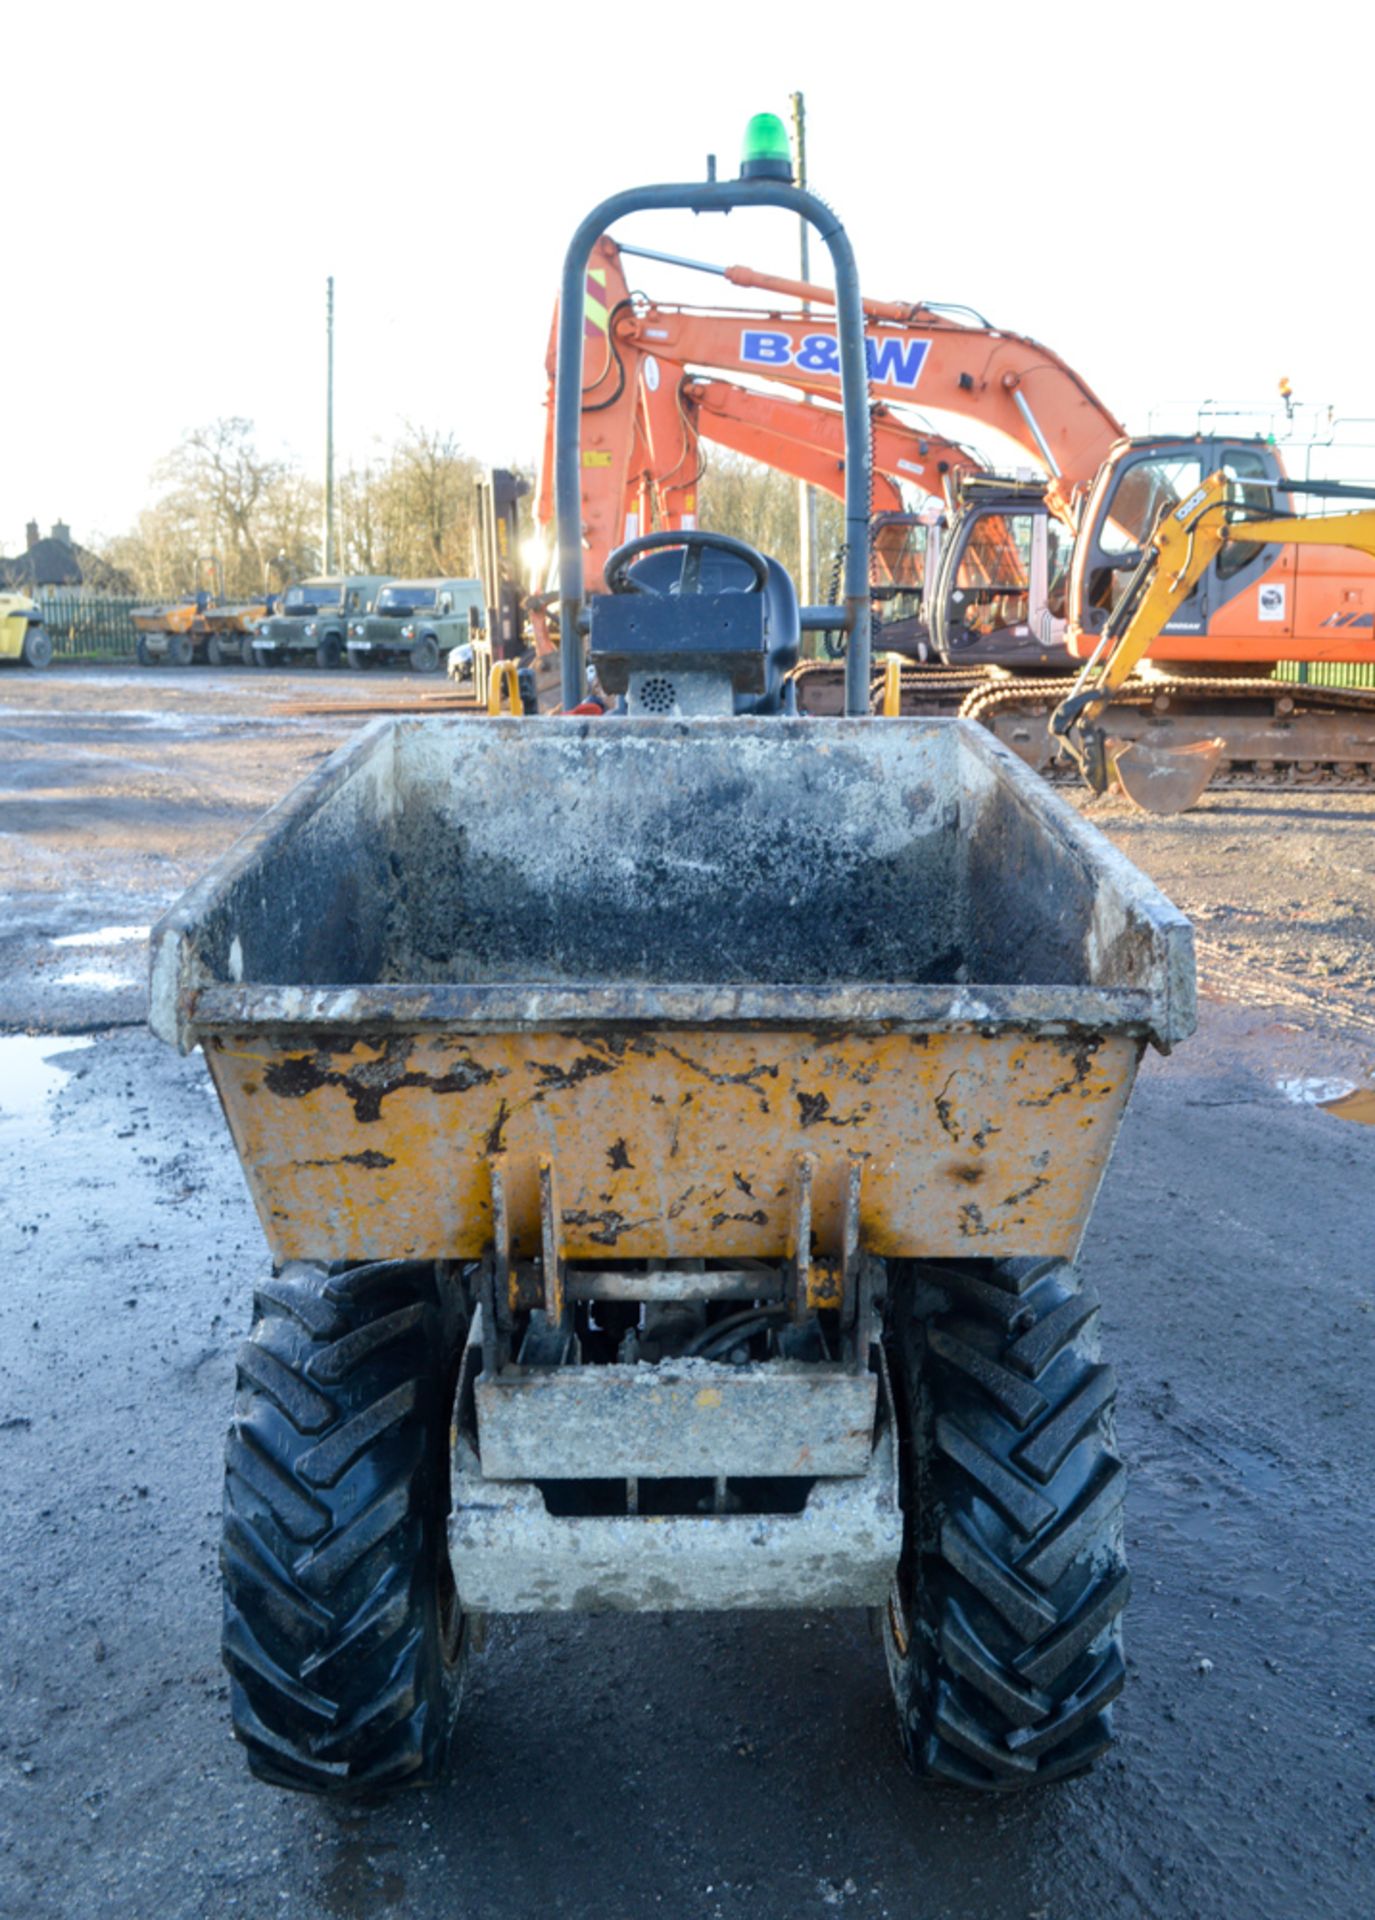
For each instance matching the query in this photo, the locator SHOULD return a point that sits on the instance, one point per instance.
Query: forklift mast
(497, 538)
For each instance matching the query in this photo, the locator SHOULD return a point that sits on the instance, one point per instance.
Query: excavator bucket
(1163, 779)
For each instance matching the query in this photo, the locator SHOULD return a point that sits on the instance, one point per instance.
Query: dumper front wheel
(1003, 1629)
(37, 650)
(343, 1635)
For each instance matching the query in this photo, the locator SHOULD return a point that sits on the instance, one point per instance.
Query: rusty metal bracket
(850, 1256)
(800, 1234)
(503, 1255)
(830, 1281)
(551, 1243)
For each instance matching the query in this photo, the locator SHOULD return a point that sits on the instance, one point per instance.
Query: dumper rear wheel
(343, 1635)
(1003, 1630)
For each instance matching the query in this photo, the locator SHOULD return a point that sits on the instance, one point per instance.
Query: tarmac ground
(691, 1765)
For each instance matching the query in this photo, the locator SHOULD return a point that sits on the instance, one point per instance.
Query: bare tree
(219, 468)
(759, 505)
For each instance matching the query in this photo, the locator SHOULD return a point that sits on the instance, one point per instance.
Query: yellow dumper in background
(23, 637)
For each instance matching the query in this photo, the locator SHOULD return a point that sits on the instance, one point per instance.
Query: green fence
(90, 626)
(1328, 673)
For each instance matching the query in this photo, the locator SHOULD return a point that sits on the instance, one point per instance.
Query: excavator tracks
(926, 690)
(1277, 733)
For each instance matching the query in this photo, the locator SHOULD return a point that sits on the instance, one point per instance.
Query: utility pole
(329, 425)
(806, 496)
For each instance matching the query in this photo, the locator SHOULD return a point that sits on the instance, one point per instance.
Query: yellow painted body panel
(15, 609)
(177, 618)
(673, 1143)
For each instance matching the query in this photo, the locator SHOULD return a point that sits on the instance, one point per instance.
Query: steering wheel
(695, 542)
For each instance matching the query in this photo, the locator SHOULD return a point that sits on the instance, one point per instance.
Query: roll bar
(712, 196)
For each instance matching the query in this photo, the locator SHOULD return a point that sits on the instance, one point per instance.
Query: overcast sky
(1174, 199)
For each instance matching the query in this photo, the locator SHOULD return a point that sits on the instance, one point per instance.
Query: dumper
(673, 1133)
(23, 637)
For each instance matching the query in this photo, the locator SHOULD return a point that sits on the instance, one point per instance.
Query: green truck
(313, 617)
(419, 620)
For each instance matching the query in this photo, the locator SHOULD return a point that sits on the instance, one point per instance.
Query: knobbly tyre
(673, 1132)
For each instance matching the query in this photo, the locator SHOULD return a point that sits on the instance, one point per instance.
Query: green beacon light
(766, 154)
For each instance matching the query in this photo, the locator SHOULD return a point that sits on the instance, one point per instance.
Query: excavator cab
(1143, 479)
(1001, 592)
(904, 560)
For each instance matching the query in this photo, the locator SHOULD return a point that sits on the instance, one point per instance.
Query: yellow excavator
(1184, 542)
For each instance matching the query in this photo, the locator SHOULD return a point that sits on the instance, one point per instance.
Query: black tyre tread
(1038, 1346)
(1014, 1581)
(1046, 1559)
(1025, 1610)
(299, 1298)
(333, 1364)
(325, 1464)
(307, 1410)
(333, 1518)
(320, 1572)
(1046, 1451)
(1018, 1399)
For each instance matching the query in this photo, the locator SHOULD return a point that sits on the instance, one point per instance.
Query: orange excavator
(1030, 570)
(643, 410)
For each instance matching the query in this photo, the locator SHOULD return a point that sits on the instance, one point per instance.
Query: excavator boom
(639, 454)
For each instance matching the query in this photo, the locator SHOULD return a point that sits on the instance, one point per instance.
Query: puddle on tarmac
(1340, 1097)
(30, 1076)
(1313, 1093)
(1359, 1104)
(102, 937)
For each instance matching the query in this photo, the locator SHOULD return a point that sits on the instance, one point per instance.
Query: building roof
(58, 561)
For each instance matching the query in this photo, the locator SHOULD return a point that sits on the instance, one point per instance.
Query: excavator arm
(639, 453)
(1183, 544)
(808, 441)
(918, 355)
